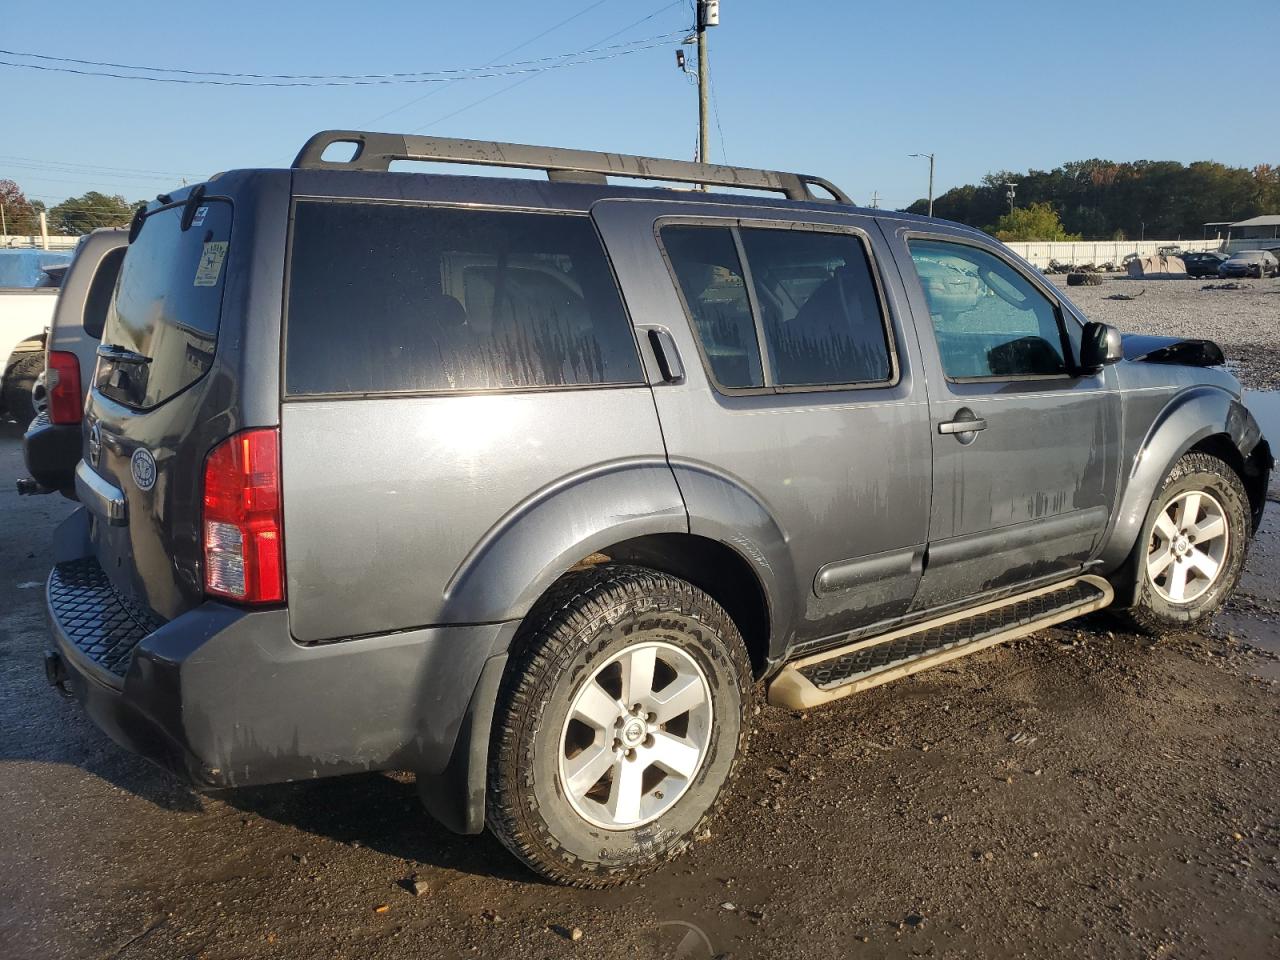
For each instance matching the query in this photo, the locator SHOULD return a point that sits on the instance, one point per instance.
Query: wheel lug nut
(649, 741)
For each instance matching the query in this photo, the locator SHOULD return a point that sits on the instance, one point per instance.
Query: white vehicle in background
(29, 281)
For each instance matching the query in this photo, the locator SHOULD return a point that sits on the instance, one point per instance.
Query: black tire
(1084, 279)
(19, 377)
(585, 620)
(1194, 472)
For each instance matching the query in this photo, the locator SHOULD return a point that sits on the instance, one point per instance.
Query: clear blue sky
(842, 89)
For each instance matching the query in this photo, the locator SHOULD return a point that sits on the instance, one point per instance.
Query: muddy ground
(1086, 792)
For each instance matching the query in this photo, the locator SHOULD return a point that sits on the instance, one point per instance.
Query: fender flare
(540, 538)
(724, 509)
(1190, 417)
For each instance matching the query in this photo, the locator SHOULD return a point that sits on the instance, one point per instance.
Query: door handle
(970, 424)
(664, 351)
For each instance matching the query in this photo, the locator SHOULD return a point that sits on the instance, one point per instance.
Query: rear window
(387, 298)
(163, 319)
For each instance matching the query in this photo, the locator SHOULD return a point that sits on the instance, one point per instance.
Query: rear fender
(542, 537)
(1189, 418)
(721, 508)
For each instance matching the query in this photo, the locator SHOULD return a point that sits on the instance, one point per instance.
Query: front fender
(542, 537)
(1191, 416)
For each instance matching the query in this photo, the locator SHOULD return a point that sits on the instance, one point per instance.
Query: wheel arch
(1206, 419)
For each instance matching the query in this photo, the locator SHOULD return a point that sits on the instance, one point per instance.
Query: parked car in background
(1250, 263)
(28, 291)
(523, 486)
(1203, 264)
(51, 444)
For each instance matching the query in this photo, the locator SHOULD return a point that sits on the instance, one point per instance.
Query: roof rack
(377, 151)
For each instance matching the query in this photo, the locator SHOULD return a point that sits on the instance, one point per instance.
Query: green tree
(21, 216)
(1037, 221)
(77, 215)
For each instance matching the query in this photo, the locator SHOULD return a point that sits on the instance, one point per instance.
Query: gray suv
(524, 486)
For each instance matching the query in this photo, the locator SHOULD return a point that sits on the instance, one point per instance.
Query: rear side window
(387, 298)
(162, 323)
(804, 312)
(98, 300)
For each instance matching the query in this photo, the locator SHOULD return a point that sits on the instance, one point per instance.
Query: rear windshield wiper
(112, 351)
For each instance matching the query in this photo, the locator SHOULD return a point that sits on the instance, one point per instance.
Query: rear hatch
(167, 388)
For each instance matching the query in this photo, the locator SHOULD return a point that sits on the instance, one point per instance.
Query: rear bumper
(51, 452)
(225, 697)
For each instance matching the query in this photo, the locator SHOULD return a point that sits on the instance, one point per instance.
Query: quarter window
(399, 298)
(988, 319)
(812, 303)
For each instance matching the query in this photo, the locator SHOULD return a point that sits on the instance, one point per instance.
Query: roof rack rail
(376, 151)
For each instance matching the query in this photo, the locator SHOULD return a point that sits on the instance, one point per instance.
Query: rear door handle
(665, 352)
(962, 426)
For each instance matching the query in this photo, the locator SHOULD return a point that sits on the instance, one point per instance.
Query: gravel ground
(1085, 792)
(1245, 322)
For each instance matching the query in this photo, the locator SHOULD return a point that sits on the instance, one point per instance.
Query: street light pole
(930, 157)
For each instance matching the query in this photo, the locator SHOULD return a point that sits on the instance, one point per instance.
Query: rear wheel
(1193, 546)
(19, 380)
(620, 724)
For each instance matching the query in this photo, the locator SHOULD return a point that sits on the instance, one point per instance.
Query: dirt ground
(1086, 792)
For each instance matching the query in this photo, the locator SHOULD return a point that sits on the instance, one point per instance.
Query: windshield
(24, 269)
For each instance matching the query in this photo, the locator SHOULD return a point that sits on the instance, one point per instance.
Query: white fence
(1102, 251)
(13, 241)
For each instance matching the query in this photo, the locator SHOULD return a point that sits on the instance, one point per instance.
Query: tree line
(71, 217)
(1103, 200)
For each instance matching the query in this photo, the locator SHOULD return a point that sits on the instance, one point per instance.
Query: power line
(557, 62)
(91, 166)
(505, 53)
(512, 86)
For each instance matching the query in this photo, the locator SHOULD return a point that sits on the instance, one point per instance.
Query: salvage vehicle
(1204, 264)
(51, 444)
(28, 291)
(1250, 263)
(525, 486)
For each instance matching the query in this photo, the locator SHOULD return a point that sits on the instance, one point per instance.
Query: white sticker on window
(198, 219)
(210, 263)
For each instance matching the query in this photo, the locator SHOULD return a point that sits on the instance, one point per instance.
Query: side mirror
(1102, 344)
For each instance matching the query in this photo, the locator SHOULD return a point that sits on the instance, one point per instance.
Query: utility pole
(708, 16)
(1011, 192)
(875, 200)
(930, 157)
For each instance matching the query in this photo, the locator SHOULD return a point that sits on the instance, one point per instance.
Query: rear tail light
(243, 522)
(62, 381)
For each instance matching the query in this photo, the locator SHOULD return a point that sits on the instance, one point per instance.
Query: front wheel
(1193, 546)
(621, 722)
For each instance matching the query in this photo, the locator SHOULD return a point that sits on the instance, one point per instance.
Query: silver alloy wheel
(1188, 549)
(636, 736)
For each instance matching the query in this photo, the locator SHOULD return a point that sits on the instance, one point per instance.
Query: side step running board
(832, 674)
